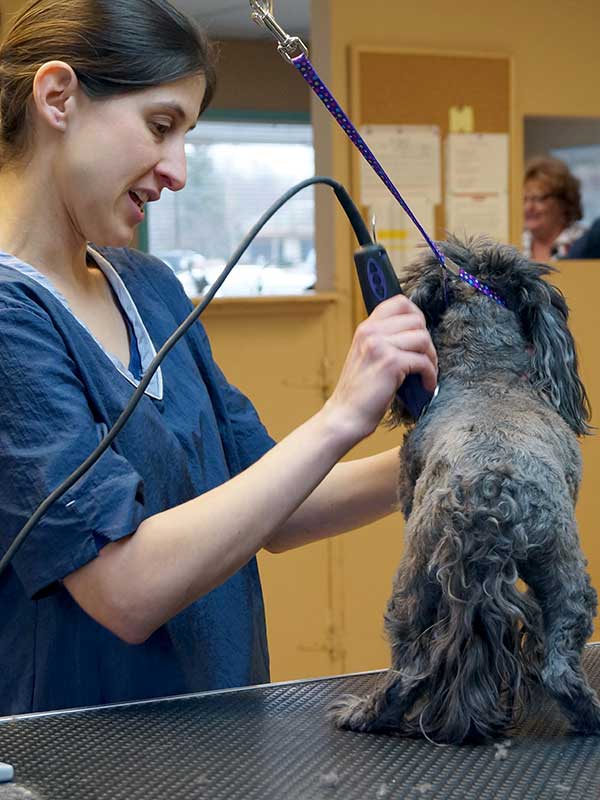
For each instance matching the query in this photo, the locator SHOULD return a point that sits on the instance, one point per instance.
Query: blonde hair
(113, 46)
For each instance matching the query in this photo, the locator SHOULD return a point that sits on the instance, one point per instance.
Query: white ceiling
(230, 19)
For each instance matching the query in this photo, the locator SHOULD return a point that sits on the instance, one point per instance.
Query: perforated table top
(275, 743)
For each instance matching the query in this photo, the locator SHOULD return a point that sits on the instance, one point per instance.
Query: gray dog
(488, 483)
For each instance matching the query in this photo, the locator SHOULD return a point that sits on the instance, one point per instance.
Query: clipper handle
(378, 281)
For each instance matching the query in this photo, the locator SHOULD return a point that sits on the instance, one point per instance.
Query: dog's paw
(352, 713)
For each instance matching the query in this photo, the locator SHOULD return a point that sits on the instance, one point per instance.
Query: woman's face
(120, 153)
(544, 214)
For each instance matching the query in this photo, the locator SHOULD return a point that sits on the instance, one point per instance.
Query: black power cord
(363, 237)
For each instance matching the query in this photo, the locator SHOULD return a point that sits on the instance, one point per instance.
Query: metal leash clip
(289, 47)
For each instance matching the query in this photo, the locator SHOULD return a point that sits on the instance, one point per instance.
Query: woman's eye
(160, 128)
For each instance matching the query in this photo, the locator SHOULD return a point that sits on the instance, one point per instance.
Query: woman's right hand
(391, 344)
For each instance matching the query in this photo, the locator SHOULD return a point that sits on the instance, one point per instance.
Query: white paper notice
(476, 163)
(469, 215)
(410, 154)
(477, 184)
(397, 232)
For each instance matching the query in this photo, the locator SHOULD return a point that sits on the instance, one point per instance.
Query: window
(235, 171)
(584, 163)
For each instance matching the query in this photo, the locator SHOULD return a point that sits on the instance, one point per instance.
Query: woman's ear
(54, 88)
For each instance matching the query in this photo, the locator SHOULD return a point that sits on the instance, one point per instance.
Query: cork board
(396, 87)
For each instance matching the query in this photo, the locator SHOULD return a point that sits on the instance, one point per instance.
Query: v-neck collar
(144, 343)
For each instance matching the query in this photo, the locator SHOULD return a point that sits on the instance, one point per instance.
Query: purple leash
(306, 69)
(263, 14)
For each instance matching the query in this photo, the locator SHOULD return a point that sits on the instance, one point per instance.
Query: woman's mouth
(138, 205)
(137, 200)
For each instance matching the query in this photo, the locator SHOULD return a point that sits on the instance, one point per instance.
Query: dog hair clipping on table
(11, 791)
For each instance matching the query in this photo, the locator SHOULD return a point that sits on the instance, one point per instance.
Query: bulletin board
(407, 87)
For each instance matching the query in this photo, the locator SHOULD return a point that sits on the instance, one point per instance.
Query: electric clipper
(378, 281)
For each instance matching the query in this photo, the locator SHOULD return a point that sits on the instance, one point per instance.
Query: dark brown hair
(561, 183)
(114, 47)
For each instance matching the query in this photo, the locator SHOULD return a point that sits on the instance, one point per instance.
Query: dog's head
(474, 335)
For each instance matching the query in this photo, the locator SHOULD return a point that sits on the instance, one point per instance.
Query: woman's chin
(122, 238)
(533, 230)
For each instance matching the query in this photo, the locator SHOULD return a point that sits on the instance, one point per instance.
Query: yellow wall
(253, 77)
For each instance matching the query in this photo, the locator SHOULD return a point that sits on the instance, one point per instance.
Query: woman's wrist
(340, 428)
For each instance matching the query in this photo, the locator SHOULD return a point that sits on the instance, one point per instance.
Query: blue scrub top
(191, 431)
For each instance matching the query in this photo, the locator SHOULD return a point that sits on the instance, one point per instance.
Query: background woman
(552, 208)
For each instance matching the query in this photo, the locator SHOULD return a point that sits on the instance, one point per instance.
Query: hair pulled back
(113, 46)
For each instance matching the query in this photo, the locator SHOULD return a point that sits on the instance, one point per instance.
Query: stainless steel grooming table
(275, 743)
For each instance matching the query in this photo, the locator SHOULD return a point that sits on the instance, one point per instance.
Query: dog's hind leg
(410, 615)
(559, 581)
(382, 709)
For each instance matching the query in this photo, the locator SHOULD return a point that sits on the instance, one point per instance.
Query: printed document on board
(411, 156)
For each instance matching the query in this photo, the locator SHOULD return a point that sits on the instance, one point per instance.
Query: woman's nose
(172, 168)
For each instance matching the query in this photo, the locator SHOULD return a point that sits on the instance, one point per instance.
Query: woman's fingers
(399, 323)
(397, 305)
(391, 344)
(420, 363)
(416, 341)
(402, 353)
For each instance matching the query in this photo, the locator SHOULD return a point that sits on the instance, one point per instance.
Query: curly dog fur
(488, 484)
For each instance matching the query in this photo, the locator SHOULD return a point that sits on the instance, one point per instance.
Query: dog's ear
(431, 296)
(544, 316)
(428, 288)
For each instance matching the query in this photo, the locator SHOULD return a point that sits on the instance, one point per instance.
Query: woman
(552, 208)
(141, 581)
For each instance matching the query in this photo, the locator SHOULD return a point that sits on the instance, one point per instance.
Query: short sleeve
(48, 428)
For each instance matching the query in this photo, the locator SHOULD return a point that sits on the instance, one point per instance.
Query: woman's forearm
(176, 556)
(353, 494)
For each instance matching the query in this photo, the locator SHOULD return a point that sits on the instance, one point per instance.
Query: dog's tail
(485, 650)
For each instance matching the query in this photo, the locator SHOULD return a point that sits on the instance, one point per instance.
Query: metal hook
(262, 14)
(266, 6)
(261, 10)
(374, 228)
